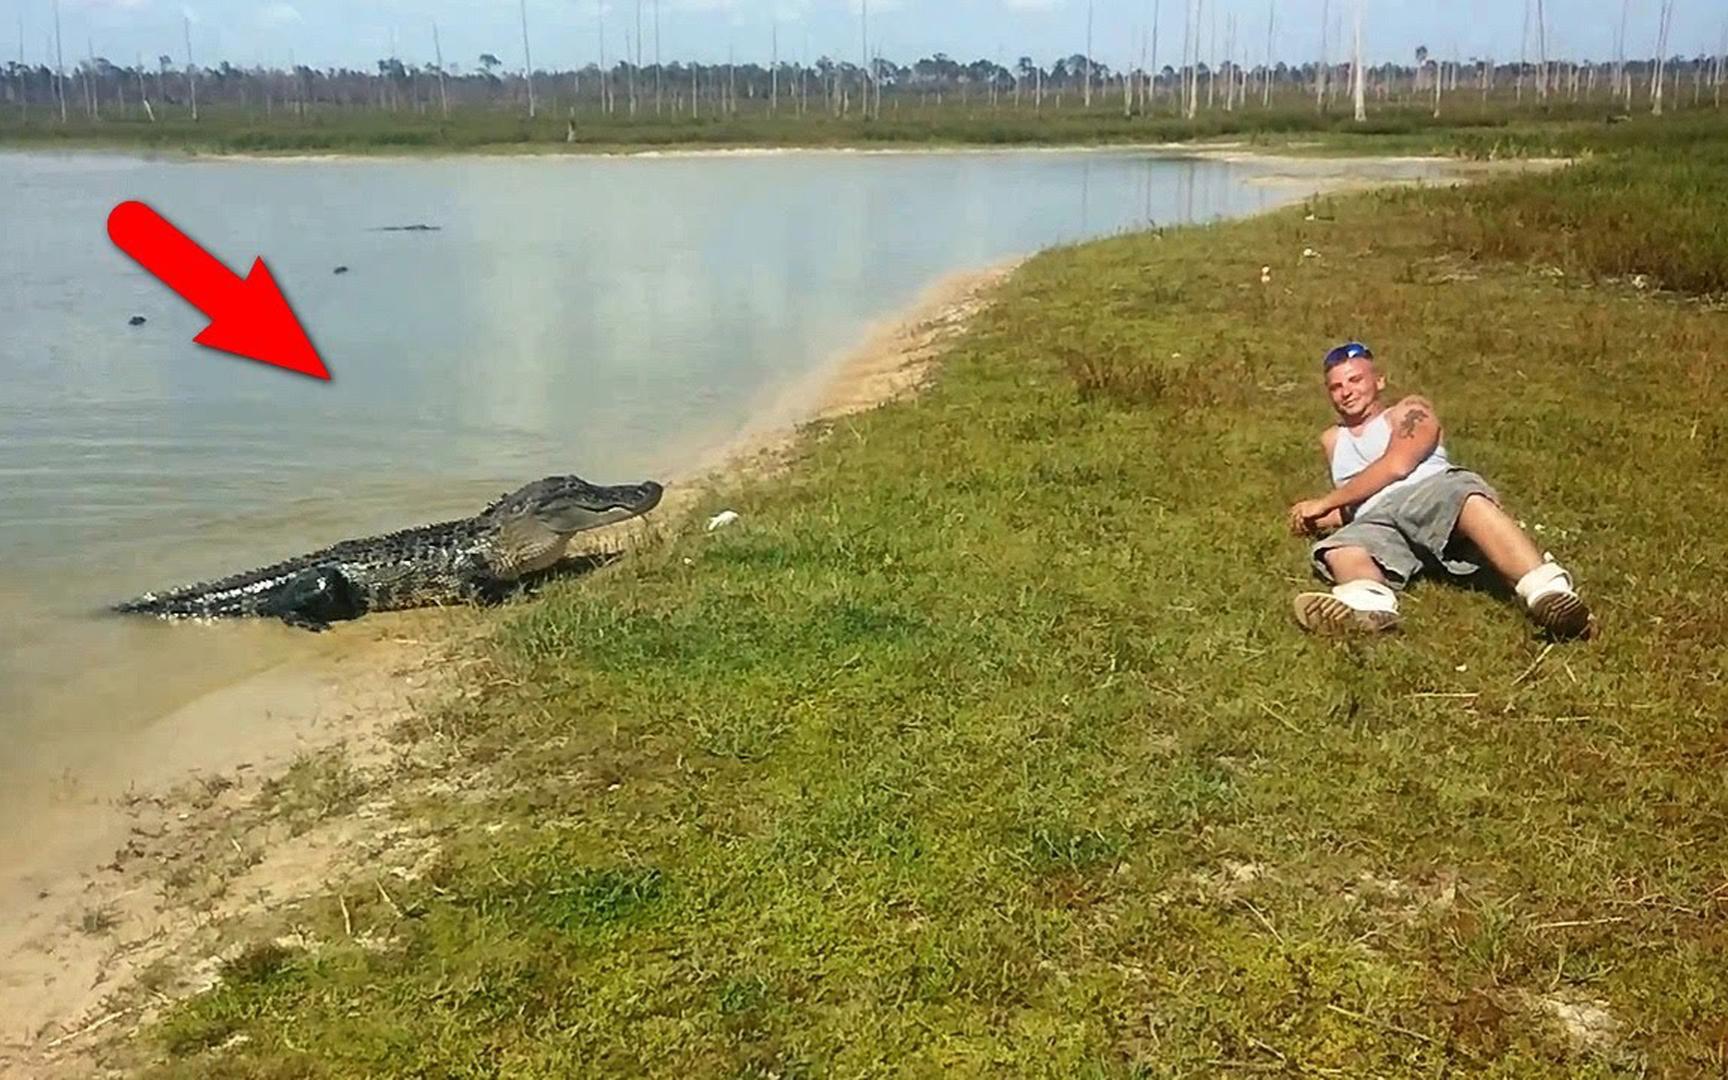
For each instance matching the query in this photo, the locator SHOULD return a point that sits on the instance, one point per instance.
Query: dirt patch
(1585, 1022)
(134, 886)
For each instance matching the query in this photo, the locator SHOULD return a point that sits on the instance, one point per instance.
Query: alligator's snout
(569, 504)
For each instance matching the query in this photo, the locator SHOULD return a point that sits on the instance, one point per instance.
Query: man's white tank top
(1353, 453)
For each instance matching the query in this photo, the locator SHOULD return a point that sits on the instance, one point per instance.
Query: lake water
(616, 318)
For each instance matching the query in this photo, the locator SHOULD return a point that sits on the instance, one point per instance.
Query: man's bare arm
(1329, 522)
(1333, 520)
(1415, 434)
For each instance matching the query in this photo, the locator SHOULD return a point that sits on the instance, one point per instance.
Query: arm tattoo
(1412, 419)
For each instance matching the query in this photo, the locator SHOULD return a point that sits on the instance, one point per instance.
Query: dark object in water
(340, 270)
(408, 228)
(136, 320)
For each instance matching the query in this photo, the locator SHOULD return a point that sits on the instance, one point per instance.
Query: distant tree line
(95, 86)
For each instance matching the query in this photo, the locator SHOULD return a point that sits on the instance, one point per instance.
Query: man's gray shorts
(1413, 527)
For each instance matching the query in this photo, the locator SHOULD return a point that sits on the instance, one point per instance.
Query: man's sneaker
(1324, 613)
(1564, 614)
(1553, 603)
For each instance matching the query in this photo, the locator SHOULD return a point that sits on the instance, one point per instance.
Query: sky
(565, 33)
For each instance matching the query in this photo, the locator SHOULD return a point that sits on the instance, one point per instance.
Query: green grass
(984, 744)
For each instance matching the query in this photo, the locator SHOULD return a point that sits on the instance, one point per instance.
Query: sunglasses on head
(1350, 350)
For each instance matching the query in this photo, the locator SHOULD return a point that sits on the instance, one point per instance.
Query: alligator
(475, 560)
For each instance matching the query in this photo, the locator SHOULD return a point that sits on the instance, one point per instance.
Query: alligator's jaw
(537, 539)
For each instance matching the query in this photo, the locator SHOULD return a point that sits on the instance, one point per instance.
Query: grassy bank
(1495, 125)
(984, 744)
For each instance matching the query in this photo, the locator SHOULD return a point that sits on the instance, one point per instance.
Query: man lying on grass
(1398, 504)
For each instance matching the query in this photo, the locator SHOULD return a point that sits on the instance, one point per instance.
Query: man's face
(1354, 386)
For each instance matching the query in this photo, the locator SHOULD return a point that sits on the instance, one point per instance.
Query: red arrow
(248, 317)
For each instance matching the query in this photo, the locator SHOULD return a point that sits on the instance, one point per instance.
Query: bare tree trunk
(1152, 74)
(1721, 61)
(1212, 61)
(1661, 55)
(143, 91)
(631, 50)
(1231, 64)
(1182, 69)
(1086, 96)
(91, 90)
(1334, 87)
(1356, 68)
(1140, 82)
(191, 70)
(438, 53)
(1523, 52)
(1271, 21)
(1620, 46)
(1182, 65)
(59, 65)
(1320, 73)
(1194, 65)
(1230, 58)
(774, 80)
(600, 39)
(24, 82)
(527, 60)
(658, 91)
(1439, 77)
(864, 54)
(636, 64)
(1542, 52)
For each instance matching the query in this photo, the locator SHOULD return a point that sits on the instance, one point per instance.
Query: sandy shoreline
(1228, 151)
(124, 906)
(559, 152)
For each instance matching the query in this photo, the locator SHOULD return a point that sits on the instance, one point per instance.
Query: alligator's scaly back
(468, 560)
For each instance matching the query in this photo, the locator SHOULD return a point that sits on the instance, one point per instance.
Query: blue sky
(563, 32)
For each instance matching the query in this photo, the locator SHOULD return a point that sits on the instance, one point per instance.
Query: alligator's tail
(310, 596)
(193, 601)
(235, 595)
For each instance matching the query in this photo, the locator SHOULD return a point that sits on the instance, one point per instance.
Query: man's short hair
(1350, 350)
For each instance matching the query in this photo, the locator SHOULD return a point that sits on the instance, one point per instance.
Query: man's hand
(1305, 516)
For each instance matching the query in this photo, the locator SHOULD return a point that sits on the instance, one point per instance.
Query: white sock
(1550, 577)
(1365, 595)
